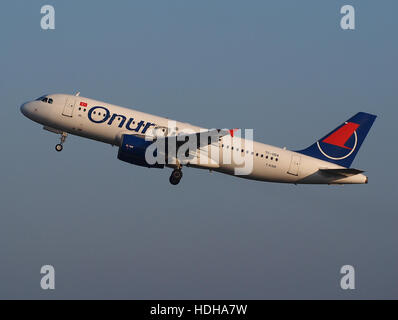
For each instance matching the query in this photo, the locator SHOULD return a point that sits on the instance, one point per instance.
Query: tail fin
(342, 144)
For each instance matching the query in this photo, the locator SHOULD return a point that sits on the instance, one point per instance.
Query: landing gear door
(69, 106)
(294, 165)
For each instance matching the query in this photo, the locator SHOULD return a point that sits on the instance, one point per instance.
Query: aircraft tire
(175, 177)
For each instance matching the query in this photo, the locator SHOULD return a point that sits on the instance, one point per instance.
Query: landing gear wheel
(59, 146)
(175, 177)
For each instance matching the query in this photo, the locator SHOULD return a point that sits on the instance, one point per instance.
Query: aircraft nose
(27, 109)
(23, 108)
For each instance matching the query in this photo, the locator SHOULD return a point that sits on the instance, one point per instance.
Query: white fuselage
(68, 113)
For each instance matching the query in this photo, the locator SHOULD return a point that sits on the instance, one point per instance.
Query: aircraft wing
(181, 138)
(201, 142)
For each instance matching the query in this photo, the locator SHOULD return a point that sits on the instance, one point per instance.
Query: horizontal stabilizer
(347, 172)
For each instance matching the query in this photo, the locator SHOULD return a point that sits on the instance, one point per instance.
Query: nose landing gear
(59, 146)
(176, 176)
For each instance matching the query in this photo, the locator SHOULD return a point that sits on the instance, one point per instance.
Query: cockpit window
(45, 99)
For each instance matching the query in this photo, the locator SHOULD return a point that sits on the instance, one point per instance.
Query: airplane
(327, 161)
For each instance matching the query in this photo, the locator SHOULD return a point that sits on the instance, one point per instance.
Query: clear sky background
(114, 230)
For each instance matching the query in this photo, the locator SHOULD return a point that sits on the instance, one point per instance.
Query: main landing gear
(59, 146)
(176, 176)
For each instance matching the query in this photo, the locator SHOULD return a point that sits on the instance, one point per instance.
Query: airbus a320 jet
(327, 161)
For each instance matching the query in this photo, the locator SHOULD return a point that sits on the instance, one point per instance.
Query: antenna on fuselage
(77, 94)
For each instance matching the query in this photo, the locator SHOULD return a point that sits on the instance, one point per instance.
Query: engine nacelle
(132, 150)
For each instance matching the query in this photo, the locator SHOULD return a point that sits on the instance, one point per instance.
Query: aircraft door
(294, 165)
(68, 108)
(220, 151)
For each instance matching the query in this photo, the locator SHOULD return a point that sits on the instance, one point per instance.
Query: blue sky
(113, 230)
